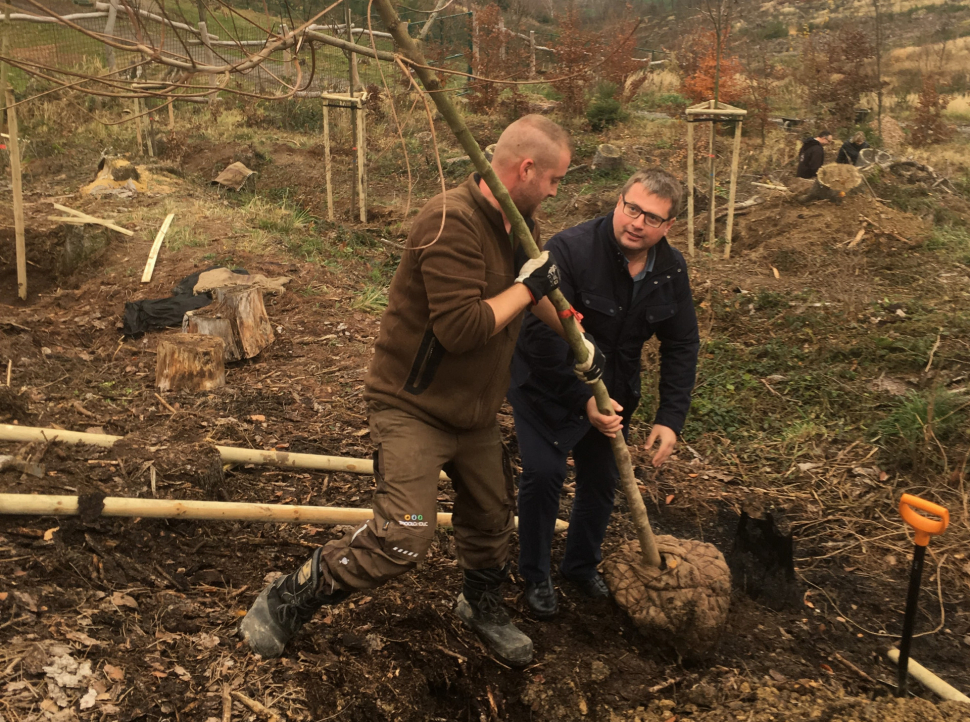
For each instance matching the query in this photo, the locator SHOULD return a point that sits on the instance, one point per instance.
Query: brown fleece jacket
(435, 355)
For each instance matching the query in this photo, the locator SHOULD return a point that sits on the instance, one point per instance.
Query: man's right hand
(607, 425)
(539, 275)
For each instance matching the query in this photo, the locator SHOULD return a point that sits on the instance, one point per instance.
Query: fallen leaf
(3, 596)
(808, 466)
(120, 599)
(670, 498)
(827, 668)
(27, 600)
(777, 676)
(257, 417)
(160, 675)
(114, 673)
(87, 701)
(774, 271)
(692, 476)
(82, 638)
(362, 432)
(49, 534)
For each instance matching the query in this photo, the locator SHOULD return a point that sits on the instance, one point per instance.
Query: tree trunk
(608, 157)
(190, 362)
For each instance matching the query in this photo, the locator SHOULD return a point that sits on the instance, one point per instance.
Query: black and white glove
(591, 370)
(540, 276)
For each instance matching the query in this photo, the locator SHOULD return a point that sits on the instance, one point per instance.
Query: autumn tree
(702, 72)
(576, 50)
(929, 125)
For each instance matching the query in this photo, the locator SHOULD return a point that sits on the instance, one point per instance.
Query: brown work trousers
(410, 456)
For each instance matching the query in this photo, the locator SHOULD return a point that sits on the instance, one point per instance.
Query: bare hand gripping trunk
(457, 124)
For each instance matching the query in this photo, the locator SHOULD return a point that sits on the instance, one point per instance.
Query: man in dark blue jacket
(629, 284)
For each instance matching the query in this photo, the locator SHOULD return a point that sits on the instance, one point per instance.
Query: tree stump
(238, 317)
(608, 157)
(832, 183)
(190, 362)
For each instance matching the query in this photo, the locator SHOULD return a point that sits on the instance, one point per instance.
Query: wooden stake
(690, 188)
(116, 506)
(138, 125)
(4, 48)
(711, 237)
(156, 247)
(362, 164)
(731, 192)
(109, 31)
(18, 195)
(171, 115)
(79, 218)
(532, 53)
(326, 159)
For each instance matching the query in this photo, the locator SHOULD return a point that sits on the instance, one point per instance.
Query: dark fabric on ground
(158, 313)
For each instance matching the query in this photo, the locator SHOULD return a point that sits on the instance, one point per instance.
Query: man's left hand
(667, 438)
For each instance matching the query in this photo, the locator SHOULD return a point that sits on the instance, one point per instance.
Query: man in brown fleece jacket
(439, 374)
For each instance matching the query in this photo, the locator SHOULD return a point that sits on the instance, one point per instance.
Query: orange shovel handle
(924, 526)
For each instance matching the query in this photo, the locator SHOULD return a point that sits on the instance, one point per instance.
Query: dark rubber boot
(541, 598)
(284, 606)
(593, 588)
(480, 607)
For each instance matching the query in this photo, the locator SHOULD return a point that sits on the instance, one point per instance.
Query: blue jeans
(540, 486)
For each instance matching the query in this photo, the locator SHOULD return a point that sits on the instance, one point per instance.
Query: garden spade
(924, 527)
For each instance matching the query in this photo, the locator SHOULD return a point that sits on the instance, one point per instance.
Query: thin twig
(256, 707)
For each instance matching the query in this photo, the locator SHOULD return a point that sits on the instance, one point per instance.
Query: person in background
(849, 152)
(812, 155)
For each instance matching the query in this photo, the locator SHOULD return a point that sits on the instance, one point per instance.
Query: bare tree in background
(877, 8)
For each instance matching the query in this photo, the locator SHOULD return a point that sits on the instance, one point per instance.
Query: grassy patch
(920, 426)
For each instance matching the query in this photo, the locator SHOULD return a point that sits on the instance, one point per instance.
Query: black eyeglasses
(654, 221)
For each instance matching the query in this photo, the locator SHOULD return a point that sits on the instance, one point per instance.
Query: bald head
(531, 137)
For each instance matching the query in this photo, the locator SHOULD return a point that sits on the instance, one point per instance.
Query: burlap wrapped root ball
(685, 604)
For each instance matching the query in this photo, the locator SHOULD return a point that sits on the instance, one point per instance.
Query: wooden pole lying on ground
(690, 186)
(18, 195)
(229, 454)
(156, 247)
(731, 193)
(930, 680)
(452, 117)
(115, 506)
(80, 219)
(326, 158)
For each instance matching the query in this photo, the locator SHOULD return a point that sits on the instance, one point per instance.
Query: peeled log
(238, 316)
(190, 362)
(608, 157)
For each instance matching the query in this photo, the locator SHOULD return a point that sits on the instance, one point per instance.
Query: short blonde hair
(531, 136)
(859, 138)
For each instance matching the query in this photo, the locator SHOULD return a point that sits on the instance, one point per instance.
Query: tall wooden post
(690, 186)
(475, 57)
(18, 195)
(532, 53)
(4, 48)
(734, 177)
(362, 163)
(711, 236)
(109, 30)
(326, 158)
(353, 107)
(138, 139)
(501, 36)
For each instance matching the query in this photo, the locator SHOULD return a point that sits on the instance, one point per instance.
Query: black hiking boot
(480, 607)
(541, 598)
(284, 606)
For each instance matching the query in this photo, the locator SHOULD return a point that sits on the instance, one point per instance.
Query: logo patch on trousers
(413, 520)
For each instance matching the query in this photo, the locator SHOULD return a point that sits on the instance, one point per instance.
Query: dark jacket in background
(849, 153)
(595, 279)
(810, 158)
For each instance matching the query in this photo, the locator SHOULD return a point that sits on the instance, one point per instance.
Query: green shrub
(921, 425)
(604, 113)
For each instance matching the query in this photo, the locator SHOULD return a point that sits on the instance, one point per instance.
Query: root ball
(684, 604)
